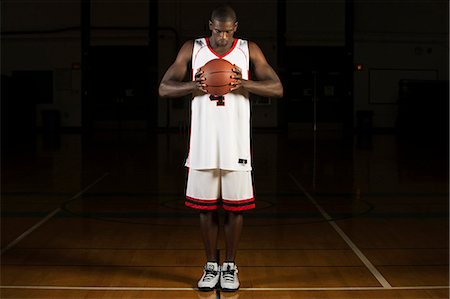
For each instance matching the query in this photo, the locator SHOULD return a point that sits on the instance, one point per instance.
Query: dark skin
(266, 84)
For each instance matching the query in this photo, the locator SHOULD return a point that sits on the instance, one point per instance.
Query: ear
(210, 25)
(235, 26)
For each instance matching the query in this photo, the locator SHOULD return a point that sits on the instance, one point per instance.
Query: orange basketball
(218, 74)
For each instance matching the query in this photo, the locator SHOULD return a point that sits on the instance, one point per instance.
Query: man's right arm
(172, 84)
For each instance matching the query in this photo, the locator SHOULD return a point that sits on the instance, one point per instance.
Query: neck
(220, 48)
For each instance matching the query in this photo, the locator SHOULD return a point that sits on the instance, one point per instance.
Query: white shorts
(207, 189)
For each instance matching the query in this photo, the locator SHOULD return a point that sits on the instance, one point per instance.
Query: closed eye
(219, 31)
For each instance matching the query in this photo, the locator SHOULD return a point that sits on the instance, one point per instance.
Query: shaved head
(223, 13)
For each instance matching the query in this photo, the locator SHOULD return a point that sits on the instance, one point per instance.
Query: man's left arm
(268, 83)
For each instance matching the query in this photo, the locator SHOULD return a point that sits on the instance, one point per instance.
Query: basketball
(218, 74)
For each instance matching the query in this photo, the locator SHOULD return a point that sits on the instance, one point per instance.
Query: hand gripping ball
(218, 74)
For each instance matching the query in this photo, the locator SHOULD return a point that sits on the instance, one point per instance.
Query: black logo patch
(242, 161)
(220, 100)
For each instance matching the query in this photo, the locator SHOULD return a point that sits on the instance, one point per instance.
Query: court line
(344, 236)
(81, 288)
(50, 215)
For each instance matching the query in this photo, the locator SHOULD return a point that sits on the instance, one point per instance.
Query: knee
(207, 212)
(234, 214)
(204, 214)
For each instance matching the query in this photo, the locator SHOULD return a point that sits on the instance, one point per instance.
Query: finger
(201, 85)
(236, 69)
(199, 73)
(234, 88)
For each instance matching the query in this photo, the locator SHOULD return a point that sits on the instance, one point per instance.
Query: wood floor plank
(71, 294)
(291, 277)
(408, 256)
(272, 277)
(241, 294)
(416, 275)
(133, 230)
(175, 257)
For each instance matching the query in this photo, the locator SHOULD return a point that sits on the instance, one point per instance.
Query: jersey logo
(220, 100)
(242, 161)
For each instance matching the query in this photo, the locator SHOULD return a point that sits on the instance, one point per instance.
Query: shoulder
(185, 53)
(192, 44)
(187, 46)
(252, 46)
(255, 51)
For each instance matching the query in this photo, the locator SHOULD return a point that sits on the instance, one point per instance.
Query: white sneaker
(229, 280)
(210, 277)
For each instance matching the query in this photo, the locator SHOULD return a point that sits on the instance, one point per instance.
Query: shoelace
(228, 275)
(209, 274)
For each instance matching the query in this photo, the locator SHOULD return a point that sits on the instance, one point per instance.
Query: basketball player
(219, 159)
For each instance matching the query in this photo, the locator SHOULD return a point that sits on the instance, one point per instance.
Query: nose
(223, 35)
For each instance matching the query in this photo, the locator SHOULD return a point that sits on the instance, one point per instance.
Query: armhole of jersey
(190, 68)
(197, 46)
(249, 64)
(191, 64)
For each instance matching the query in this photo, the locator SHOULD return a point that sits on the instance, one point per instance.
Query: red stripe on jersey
(228, 52)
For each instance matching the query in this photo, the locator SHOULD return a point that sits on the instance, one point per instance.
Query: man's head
(223, 25)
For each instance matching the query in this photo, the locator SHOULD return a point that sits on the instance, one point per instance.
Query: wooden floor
(104, 217)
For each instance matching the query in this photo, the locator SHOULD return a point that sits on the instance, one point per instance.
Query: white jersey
(220, 127)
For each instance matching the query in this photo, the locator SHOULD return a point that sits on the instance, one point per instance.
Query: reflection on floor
(119, 223)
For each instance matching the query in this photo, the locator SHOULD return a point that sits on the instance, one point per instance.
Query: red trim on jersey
(228, 52)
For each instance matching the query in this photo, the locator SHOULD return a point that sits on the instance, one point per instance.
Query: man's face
(222, 32)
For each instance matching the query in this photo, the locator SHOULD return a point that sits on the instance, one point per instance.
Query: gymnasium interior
(350, 166)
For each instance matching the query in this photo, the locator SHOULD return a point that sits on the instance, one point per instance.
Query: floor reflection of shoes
(207, 295)
(229, 295)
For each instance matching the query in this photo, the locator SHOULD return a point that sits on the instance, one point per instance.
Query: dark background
(88, 66)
